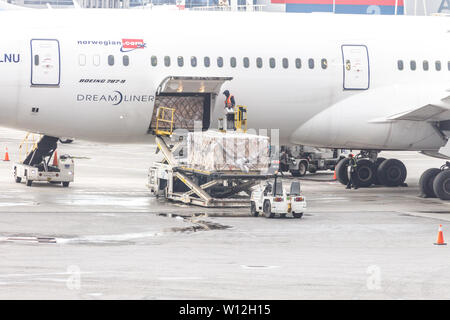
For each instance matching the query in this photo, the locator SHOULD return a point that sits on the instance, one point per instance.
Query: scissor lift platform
(188, 185)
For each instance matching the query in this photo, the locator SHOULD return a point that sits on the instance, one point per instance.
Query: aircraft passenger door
(356, 67)
(45, 62)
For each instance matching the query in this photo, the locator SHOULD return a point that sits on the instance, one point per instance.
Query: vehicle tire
(376, 181)
(297, 215)
(29, 183)
(302, 168)
(441, 185)
(426, 182)
(65, 141)
(16, 178)
(341, 171)
(283, 215)
(65, 184)
(268, 210)
(253, 211)
(391, 173)
(312, 169)
(364, 173)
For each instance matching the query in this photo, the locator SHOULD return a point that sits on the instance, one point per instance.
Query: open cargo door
(192, 99)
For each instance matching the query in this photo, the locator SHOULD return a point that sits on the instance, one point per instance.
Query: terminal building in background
(387, 7)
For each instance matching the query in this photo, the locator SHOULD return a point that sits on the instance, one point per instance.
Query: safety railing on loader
(164, 121)
(28, 144)
(240, 118)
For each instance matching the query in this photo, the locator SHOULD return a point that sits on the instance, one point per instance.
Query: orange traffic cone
(55, 159)
(440, 238)
(334, 175)
(6, 155)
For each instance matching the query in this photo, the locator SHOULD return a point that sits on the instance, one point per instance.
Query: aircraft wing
(438, 110)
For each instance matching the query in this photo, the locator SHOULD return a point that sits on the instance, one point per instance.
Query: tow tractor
(272, 199)
(298, 160)
(37, 167)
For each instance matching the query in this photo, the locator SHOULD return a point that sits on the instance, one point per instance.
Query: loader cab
(190, 98)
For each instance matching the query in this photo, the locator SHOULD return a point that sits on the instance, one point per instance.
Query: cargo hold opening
(191, 97)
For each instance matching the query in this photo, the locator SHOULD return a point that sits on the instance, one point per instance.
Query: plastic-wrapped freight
(231, 151)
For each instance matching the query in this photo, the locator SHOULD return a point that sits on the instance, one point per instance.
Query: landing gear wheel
(253, 211)
(391, 173)
(441, 185)
(282, 215)
(65, 184)
(29, 183)
(426, 182)
(377, 163)
(297, 215)
(341, 171)
(364, 173)
(267, 210)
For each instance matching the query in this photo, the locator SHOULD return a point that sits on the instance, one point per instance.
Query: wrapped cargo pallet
(231, 151)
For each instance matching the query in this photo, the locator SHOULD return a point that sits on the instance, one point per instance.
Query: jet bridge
(192, 99)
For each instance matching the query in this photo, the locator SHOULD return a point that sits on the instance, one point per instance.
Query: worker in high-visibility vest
(351, 172)
(229, 109)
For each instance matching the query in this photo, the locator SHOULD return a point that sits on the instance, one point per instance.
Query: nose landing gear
(435, 183)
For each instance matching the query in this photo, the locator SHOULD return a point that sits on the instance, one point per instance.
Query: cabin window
(246, 62)
(285, 63)
(438, 65)
(400, 64)
(167, 61)
(96, 60)
(298, 63)
(412, 65)
(82, 59)
(154, 61)
(207, 62)
(259, 62)
(311, 63)
(233, 62)
(193, 61)
(220, 62)
(36, 60)
(180, 61)
(126, 60)
(426, 65)
(324, 63)
(111, 60)
(272, 63)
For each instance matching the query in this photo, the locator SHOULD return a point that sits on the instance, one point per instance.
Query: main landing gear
(373, 170)
(435, 183)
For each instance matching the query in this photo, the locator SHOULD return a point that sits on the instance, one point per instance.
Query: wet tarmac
(104, 237)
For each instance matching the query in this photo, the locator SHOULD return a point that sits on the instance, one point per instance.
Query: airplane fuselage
(323, 80)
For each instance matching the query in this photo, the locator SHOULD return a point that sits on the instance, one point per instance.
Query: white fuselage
(89, 99)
